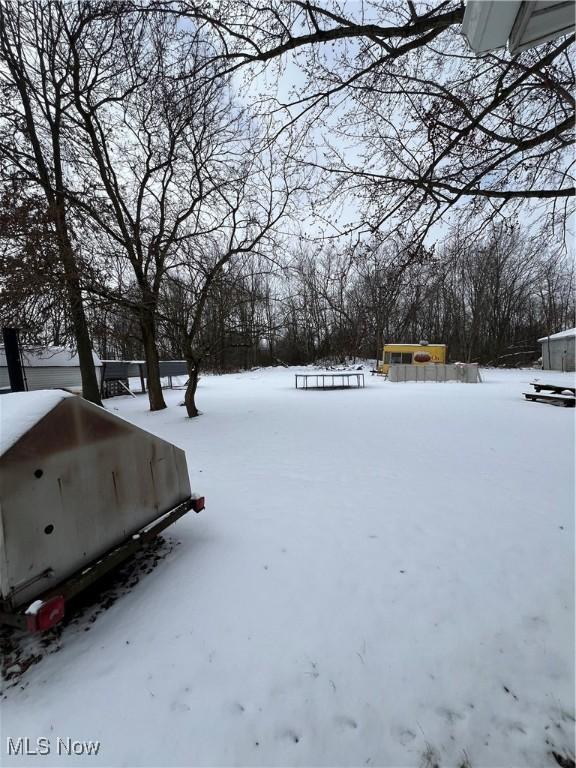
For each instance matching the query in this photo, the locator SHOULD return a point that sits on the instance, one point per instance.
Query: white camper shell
(76, 483)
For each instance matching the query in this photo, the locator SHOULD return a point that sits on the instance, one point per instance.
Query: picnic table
(329, 380)
(555, 388)
(560, 394)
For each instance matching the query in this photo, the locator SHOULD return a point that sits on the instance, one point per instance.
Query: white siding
(558, 354)
(46, 377)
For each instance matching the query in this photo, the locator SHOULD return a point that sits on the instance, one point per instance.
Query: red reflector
(198, 504)
(47, 615)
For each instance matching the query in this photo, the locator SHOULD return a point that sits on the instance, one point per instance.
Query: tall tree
(241, 220)
(34, 127)
(160, 153)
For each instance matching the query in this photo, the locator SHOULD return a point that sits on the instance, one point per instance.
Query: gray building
(558, 351)
(48, 368)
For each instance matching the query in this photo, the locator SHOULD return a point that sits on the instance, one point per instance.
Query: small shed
(48, 368)
(558, 351)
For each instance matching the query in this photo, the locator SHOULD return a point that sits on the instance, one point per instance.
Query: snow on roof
(49, 357)
(561, 335)
(130, 362)
(19, 411)
(415, 344)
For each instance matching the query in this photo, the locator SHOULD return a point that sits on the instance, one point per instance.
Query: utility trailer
(81, 490)
(560, 394)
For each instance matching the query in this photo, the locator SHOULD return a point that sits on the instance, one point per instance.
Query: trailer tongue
(81, 490)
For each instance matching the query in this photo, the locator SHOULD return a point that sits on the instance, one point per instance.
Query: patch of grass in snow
(19, 651)
(558, 755)
(564, 761)
(430, 757)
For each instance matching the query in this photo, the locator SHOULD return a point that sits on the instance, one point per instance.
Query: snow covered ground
(382, 577)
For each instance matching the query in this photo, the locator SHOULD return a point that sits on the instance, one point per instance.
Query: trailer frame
(48, 609)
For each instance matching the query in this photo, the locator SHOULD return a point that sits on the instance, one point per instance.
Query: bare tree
(154, 153)
(150, 152)
(241, 221)
(431, 126)
(33, 137)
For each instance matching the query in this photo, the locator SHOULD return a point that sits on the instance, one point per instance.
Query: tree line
(489, 302)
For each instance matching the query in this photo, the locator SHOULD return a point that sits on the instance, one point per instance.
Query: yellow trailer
(411, 354)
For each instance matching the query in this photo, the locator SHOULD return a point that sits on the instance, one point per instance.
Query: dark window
(396, 357)
(386, 357)
(407, 358)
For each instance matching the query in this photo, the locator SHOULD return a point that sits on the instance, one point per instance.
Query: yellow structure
(411, 354)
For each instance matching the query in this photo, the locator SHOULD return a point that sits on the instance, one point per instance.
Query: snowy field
(382, 577)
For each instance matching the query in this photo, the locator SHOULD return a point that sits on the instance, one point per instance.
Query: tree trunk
(90, 387)
(148, 328)
(190, 396)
